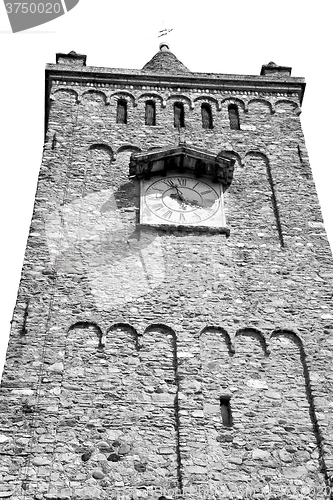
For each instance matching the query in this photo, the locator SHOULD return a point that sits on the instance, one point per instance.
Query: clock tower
(173, 330)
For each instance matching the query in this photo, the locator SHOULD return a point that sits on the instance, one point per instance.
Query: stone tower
(172, 335)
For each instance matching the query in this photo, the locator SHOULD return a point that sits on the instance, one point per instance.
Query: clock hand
(181, 200)
(192, 202)
(179, 193)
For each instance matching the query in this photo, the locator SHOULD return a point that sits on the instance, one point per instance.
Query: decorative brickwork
(170, 363)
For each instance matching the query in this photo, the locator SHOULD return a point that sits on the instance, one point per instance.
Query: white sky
(216, 36)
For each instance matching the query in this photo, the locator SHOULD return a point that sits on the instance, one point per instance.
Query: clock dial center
(183, 199)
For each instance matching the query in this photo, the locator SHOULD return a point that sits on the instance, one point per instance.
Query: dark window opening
(150, 115)
(179, 115)
(122, 111)
(233, 117)
(226, 411)
(206, 115)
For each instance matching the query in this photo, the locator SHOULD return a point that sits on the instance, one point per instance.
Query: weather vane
(164, 32)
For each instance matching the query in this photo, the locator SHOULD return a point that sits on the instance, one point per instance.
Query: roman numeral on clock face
(182, 218)
(156, 208)
(167, 214)
(169, 182)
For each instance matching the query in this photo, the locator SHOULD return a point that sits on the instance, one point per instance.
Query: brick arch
(234, 100)
(158, 407)
(281, 102)
(208, 99)
(216, 380)
(151, 95)
(67, 91)
(265, 102)
(269, 178)
(85, 324)
(233, 155)
(163, 330)
(102, 147)
(128, 147)
(257, 154)
(132, 332)
(123, 94)
(96, 92)
(224, 334)
(181, 98)
(167, 328)
(82, 330)
(255, 334)
(288, 334)
(289, 366)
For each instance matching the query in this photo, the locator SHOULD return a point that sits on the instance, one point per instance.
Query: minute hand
(180, 194)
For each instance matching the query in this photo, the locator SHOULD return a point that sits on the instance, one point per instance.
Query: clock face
(181, 200)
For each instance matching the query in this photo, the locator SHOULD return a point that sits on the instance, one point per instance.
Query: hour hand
(192, 203)
(179, 197)
(179, 193)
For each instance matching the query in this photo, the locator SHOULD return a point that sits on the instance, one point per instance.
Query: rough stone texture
(165, 62)
(124, 340)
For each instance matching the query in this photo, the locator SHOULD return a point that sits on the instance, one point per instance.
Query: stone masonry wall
(124, 341)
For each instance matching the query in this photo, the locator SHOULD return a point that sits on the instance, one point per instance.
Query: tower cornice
(206, 81)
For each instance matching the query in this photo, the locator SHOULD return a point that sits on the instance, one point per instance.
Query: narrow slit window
(226, 411)
(207, 117)
(233, 117)
(179, 115)
(150, 114)
(122, 111)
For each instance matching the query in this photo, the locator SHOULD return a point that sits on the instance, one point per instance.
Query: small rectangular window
(233, 117)
(121, 111)
(226, 411)
(179, 115)
(207, 117)
(150, 115)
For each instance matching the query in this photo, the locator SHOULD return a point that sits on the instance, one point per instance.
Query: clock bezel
(149, 218)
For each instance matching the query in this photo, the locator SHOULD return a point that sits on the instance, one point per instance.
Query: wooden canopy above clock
(182, 159)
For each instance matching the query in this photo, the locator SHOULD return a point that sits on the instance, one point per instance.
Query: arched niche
(128, 148)
(233, 155)
(250, 341)
(215, 340)
(260, 107)
(123, 337)
(285, 106)
(287, 336)
(290, 407)
(207, 99)
(123, 94)
(85, 333)
(256, 154)
(65, 96)
(181, 98)
(158, 354)
(103, 148)
(154, 96)
(81, 379)
(94, 97)
(233, 100)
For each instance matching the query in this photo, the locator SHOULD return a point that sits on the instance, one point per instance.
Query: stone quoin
(173, 331)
